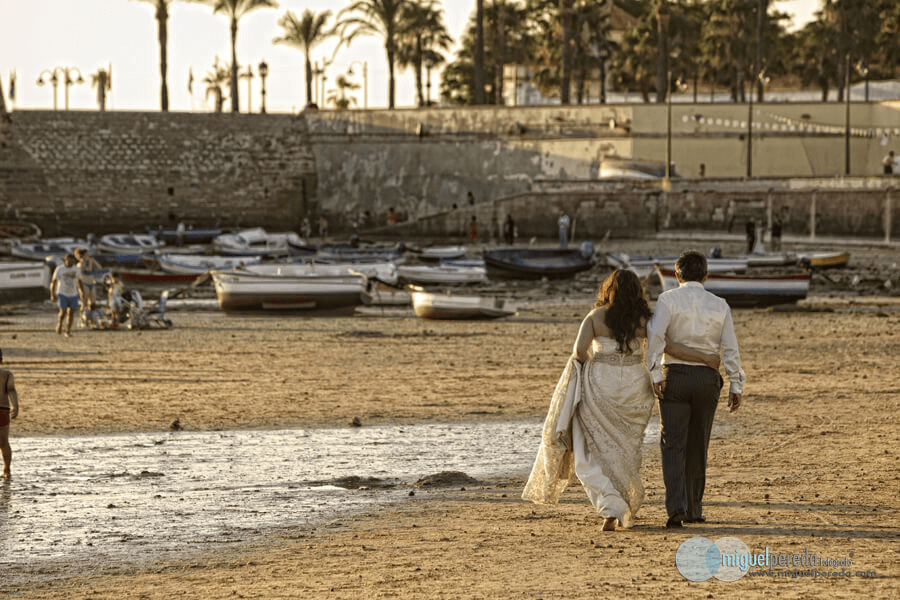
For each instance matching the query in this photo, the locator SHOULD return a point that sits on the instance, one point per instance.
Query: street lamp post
(763, 79)
(680, 84)
(847, 116)
(365, 74)
(248, 75)
(263, 73)
(67, 81)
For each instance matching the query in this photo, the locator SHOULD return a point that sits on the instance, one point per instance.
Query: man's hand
(734, 401)
(659, 388)
(13, 412)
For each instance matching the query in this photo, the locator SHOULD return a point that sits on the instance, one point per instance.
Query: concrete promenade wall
(74, 172)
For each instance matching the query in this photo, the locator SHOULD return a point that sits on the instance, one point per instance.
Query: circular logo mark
(699, 558)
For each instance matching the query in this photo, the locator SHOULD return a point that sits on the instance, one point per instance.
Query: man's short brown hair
(691, 266)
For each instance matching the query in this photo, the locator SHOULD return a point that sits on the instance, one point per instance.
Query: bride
(598, 431)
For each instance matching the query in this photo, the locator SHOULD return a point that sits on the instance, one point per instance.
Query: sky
(39, 36)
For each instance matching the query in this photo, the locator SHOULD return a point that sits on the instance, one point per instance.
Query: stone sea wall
(75, 172)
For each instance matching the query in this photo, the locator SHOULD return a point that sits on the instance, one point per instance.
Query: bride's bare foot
(609, 524)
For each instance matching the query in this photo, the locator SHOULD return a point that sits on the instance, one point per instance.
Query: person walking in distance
(688, 391)
(9, 410)
(67, 284)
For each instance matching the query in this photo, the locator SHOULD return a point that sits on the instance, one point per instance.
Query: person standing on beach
(564, 222)
(9, 410)
(688, 391)
(509, 230)
(66, 284)
(888, 163)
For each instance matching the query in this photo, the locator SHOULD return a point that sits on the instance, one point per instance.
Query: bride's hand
(712, 361)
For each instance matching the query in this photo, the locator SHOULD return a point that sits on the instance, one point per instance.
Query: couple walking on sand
(595, 425)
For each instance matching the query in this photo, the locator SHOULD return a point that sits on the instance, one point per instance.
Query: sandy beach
(808, 465)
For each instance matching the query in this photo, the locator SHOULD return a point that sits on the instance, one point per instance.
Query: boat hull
(535, 263)
(825, 260)
(445, 307)
(196, 265)
(443, 274)
(241, 291)
(748, 291)
(24, 280)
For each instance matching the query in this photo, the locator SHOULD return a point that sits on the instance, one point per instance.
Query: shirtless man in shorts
(9, 409)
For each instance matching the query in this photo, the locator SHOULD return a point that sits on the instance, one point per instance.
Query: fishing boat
(428, 305)
(257, 242)
(134, 244)
(825, 260)
(747, 291)
(770, 259)
(55, 248)
(440, 252)
(352, 253)
(24, 279)
(441, 274)
(176, 236)
(537, 263)
(290, 287)
(197, 264)
(645, 265)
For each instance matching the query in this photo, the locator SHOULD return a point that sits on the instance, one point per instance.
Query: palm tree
(424, 34)
(216, 79)
(338, 97)
(305, 33)
(234, 10)
(162, 20)
(381, 18)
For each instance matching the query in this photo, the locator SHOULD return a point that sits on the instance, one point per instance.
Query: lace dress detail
(608, 429)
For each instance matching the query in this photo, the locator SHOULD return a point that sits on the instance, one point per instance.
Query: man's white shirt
(700, 320)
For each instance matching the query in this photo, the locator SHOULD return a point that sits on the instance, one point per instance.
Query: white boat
(47, 248)
(128, 243)
(289, 288)
(748, 290)
(299, 286)
(257, 242)
(23, 279)
(440, 252)
(429, 305)
(645, 265)
(770, 259)
(197, 263)
(441, 274)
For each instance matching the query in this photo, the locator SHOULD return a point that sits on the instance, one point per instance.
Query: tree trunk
(309, 76)
(761, 21)
(662, 57)
(391, 84)
(478, 80)
(418, 68)
(162, 18)
(235, 104)
(565, 14)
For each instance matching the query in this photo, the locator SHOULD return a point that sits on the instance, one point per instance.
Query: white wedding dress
(594, 429)
(608, 429)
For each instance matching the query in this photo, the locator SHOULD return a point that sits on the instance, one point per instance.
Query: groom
(689, 392)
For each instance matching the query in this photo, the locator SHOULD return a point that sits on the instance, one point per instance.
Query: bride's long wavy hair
(623, 297)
